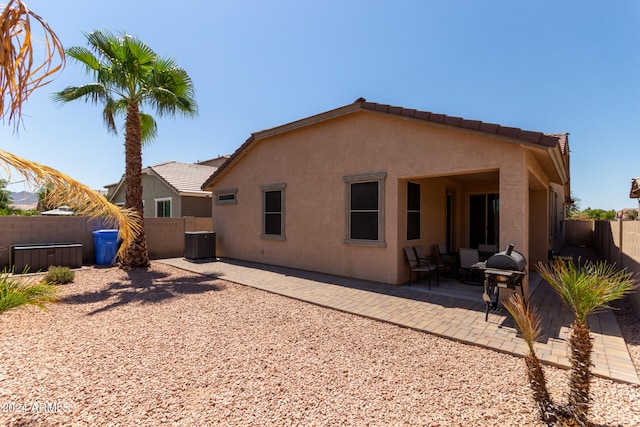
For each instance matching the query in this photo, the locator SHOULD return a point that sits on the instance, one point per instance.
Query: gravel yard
(168, 347)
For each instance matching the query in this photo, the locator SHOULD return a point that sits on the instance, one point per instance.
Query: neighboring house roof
(217, 162)
(61, 211)
(185, 179)
(635, 188)
(558, 141)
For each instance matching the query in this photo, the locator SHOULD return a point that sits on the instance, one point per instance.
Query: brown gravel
(175, 348)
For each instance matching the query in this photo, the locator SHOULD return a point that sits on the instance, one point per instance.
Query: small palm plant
(585, 290)
(528, 322)
(16, 291)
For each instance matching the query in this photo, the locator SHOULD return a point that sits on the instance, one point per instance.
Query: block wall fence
(165, 236)
(613, 241)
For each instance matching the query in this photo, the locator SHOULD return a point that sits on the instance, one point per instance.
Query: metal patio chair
(416, 267)
(449, 260)
(469, 257)
(427, 261)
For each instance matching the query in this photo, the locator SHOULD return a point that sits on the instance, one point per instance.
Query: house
(60, 211)
(172, 189)
(342, 192)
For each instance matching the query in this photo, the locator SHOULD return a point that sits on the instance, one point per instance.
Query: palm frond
(108, 115)
(148, 127)
(85, 57)
(20, 75)
(589, 287)
(142, 53)
(528, 320)
(92, 92)
(105, 44)
(83, 200)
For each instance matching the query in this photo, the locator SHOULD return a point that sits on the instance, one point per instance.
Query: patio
(451, 310)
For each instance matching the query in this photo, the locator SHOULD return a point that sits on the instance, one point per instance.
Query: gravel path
(175, 348)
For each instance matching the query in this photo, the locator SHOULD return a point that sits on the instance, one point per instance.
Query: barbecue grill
(503, 270)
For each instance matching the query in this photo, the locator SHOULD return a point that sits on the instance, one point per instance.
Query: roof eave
(195, 193)
(528, 138)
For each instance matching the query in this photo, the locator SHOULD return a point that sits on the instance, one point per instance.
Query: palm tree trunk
(137, 255)
(581, 346)
(547, 409)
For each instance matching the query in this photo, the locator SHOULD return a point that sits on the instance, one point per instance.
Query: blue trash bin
(106, 245)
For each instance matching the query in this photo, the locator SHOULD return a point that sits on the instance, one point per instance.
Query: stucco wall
(181, 206)
(196, 206)
(313, 160)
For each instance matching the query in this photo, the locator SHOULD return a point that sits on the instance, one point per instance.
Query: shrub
(59, 275)
(18, 290)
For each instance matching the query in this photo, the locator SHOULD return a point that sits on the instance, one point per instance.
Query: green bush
(59, 275)
(18, 290)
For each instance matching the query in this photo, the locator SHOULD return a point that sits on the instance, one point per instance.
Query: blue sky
(550, 66)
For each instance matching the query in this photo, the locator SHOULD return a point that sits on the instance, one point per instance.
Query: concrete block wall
(165, 236)
(615, 242)
(579, 233)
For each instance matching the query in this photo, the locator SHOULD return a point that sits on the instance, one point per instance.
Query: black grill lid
(507, 260)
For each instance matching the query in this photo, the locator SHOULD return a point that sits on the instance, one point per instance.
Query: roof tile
(549, 140)
(508, 131)
(183, 177)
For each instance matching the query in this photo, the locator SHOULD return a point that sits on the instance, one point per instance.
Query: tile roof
(459, 122)
(526, 136)
(183, 177)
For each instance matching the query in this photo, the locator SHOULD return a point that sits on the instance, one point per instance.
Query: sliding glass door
(484, 219)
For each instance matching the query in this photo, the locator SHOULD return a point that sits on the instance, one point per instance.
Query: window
(163, 207)
(413, 211)
(365, 209)
(273, 211)
(226, 197)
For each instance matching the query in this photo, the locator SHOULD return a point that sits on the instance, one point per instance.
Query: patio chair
(427, 261)
(469, 257)
(449, 260)
(416, 267)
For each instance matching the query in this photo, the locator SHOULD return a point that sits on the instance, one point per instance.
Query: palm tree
(128, 76)
(20, 74)
(529, 323)
(584, 289)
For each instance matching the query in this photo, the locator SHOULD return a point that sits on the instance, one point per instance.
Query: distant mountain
(24, 198)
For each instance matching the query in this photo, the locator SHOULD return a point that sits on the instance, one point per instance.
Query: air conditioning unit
(199, 245)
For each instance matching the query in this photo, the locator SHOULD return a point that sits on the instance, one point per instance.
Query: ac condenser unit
(199, 245)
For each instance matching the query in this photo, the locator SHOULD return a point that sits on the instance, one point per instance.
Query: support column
(514, 209)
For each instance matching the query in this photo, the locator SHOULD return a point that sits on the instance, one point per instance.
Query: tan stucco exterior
(313, 157)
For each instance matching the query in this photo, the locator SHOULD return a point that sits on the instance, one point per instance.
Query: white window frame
(268, 188)
(357, 179)
(163, 199)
